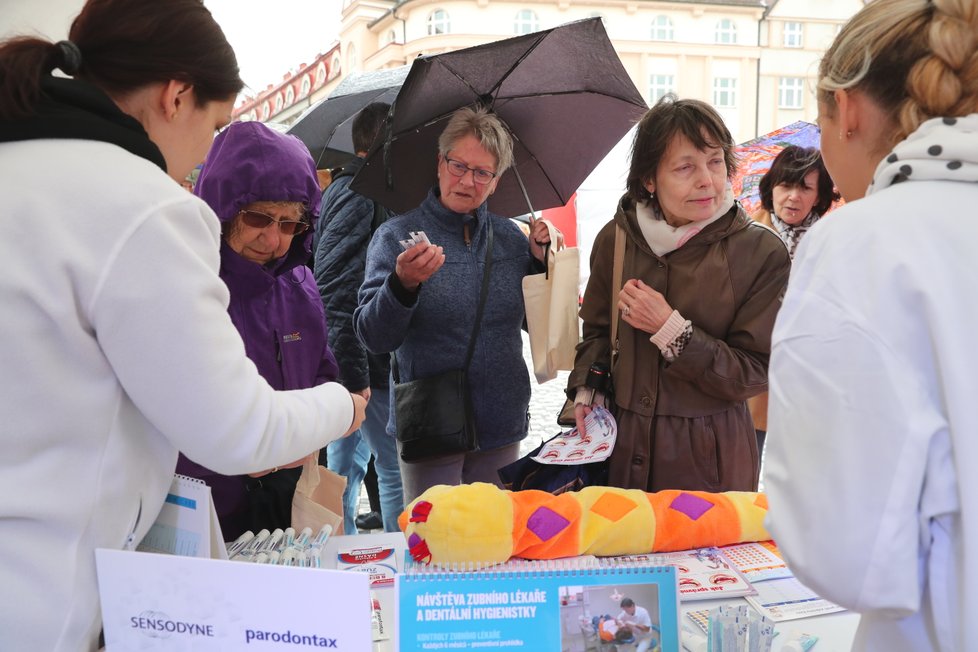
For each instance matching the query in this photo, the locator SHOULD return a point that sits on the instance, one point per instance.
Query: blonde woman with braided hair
(873, 363)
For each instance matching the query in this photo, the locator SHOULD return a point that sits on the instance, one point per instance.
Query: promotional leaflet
(166, 602)
(187, 523)
(533, 607)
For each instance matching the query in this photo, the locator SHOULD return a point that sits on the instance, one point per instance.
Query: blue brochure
(530, 606)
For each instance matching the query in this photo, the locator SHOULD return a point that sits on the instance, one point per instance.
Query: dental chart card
(540, 606)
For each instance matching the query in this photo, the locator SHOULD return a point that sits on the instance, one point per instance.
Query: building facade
(755, 61)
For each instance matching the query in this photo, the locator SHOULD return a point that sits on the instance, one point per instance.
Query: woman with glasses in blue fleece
(421, 302)
(263, 187)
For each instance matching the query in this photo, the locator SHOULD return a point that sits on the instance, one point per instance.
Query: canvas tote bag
(551, 309)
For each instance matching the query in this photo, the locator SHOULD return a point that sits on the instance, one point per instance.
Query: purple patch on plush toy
(546, 523)
(690, 505)
(413, 540)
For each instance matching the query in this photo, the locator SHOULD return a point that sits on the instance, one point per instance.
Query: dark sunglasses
(258, 220)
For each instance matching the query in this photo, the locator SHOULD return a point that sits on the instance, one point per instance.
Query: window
(726, 32)
(438, 22)
(792, 35)
(725, 92)
(351, 58)
(790, 92)
(662, 29)
(321, 74)
(659, 85)
(526, 22)
(391, 37)
(279, 103)
(335, 70)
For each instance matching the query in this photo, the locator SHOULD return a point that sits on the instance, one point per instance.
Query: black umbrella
(326, 128)
(563, 93)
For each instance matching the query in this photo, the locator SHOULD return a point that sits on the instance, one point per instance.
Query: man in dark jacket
(347, 221)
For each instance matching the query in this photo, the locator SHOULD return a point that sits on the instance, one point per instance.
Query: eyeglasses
(458, 169)
(258, 220)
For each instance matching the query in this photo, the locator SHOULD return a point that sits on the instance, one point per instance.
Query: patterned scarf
(791, 234)
(663, 238)
(940, 149)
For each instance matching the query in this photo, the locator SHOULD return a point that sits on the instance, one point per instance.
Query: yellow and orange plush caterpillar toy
(480, 524)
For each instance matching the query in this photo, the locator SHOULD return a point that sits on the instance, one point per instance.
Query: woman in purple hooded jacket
(263, 187)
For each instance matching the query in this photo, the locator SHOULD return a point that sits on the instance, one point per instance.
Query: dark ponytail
(121, 46)
(23, 62)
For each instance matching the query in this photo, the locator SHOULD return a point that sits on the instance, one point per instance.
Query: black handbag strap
(483, 293)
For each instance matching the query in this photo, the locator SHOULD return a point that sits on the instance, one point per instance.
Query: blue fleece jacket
(431, 335)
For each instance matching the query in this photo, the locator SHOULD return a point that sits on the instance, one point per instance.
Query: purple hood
(250, 162)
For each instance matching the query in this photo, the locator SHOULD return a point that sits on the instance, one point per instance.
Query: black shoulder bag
(433, 416)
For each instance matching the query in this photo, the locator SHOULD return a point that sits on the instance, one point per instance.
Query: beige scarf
(663, 238)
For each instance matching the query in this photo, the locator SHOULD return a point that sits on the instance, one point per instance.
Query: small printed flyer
(530, 610)
(379, 562)
(570, 447)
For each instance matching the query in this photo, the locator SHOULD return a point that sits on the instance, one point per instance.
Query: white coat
(116, 351)
(873, 422)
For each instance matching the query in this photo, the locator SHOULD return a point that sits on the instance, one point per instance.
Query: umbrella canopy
(756, 156)
(562, 92)
(326, 127)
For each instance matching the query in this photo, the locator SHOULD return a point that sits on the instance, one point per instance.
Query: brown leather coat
(685, 425)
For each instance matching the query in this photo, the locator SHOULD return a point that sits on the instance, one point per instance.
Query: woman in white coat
(116, 346)
(873, 495)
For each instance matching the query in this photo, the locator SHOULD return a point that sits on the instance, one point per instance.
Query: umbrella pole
(526, 196)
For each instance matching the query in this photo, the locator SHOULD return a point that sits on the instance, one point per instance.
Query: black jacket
(347, 220)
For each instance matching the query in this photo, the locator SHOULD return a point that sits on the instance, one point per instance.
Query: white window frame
(526, 22)
(659, 85)
(662, 29)
(725, 92)
(439, 22)
(794, 35)
(725, 32)
(791, 92)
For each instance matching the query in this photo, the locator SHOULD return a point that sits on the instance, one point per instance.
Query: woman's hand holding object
(418, 264)
(540, 238)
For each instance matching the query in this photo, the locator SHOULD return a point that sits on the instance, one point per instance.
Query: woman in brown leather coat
(701, 285)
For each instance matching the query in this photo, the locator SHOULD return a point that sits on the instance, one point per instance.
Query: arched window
(662, 29)
(526, 22)
(306, 85)
(321, 73)
(438, 22)
(279, 102)
(289, 96)
(336, 65)
(266, 110)
(726, 32)
(351, 58)
(391, 37)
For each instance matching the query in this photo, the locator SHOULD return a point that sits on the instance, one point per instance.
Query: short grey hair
(487, 127)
